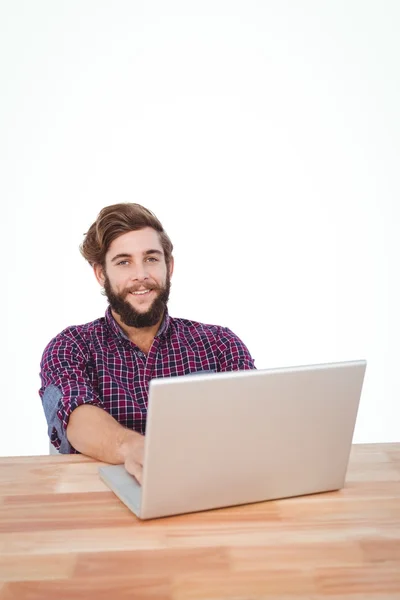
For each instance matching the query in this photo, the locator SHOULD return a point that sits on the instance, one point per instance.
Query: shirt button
(141, 354)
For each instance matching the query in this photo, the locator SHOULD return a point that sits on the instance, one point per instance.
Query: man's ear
(171, 266)
(99, 273)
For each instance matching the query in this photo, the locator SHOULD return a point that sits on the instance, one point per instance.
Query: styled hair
(112, 221)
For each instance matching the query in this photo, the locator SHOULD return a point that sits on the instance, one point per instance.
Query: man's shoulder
(221, 338)
(78, 335)
(182, 323)
(86, 329)
(191, 327)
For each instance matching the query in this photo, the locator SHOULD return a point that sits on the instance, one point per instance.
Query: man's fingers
(133, 452)
(134, 469)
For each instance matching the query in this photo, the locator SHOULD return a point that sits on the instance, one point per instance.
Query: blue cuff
(50, 400)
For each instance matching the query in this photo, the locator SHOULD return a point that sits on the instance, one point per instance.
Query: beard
(129, 315)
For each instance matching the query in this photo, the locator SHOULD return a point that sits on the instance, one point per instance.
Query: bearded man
(95, 377)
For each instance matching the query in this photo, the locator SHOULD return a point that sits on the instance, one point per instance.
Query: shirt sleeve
(233, 354)
(65, 386)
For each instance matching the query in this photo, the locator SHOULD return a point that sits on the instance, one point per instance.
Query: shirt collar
(118, 332)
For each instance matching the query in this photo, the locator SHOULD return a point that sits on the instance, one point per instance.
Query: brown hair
(113, 221)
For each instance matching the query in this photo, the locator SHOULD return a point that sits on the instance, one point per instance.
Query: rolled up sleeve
(233, 354)
(65, 386)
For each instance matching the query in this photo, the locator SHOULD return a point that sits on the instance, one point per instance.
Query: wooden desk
(64, 535)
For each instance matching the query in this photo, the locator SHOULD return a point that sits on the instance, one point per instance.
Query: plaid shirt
(97, 364)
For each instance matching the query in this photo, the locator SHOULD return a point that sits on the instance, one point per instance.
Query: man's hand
(132, 452)
(93, 431)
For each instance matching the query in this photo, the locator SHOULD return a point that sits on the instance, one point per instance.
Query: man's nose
(140, 272)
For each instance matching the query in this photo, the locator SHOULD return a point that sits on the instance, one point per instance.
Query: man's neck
(142, 337)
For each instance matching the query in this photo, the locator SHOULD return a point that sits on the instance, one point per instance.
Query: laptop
(240, 437)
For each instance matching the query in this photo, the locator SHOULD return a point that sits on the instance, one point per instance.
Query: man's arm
(94, 432)
(233, 354)
(75, 414)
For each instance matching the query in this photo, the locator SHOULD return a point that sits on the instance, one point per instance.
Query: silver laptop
(224, 439)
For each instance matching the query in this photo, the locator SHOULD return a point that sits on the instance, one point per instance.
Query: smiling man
(95, 377)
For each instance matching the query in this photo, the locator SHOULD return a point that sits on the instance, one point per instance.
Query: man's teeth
(140, 293)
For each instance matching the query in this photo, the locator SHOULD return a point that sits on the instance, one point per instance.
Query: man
(95, 377)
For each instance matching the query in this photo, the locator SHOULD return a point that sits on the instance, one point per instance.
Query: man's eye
(121, 262)
(152, 259)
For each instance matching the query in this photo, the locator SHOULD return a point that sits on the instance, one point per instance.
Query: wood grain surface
(64, 535)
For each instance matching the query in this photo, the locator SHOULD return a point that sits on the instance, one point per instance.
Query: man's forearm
(94, 432)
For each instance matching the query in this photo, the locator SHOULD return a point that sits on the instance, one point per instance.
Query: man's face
(136, 280)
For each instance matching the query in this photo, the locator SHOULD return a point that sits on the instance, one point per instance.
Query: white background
(264, 135)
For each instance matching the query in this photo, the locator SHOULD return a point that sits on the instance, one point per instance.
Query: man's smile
(141, 292)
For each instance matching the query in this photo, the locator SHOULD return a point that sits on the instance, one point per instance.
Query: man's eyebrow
(122, 255)
(146, 253)
(153, 252)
